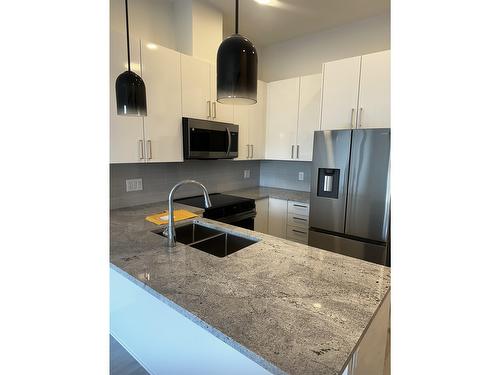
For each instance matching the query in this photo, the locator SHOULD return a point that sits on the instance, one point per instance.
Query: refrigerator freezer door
(362, 250)
(368, 197)
(330, 156)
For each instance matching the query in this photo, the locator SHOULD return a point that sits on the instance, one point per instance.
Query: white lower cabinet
(262, 218)
(289, 220)
(372, 355)
(277, 217)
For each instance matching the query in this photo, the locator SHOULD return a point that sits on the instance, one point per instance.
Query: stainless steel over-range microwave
(204, 139)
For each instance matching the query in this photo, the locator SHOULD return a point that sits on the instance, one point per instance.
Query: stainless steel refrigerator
(350, 196)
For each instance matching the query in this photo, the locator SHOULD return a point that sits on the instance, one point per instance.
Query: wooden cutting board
(162, 217)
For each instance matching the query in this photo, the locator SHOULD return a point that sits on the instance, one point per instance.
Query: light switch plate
(133, 184)
(246, 173)
(301, 176)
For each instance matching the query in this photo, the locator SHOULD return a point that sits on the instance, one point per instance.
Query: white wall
(183, 25)
(151, 20)
(207, 31)
(304, 55)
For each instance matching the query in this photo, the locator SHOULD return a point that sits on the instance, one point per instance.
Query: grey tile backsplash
(284, 174)
(158, 179)
(216, 175)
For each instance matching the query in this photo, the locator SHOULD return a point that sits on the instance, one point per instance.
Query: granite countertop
(292, 308)
(260, 192)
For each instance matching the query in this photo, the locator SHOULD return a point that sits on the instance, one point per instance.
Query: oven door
(242, 220)
(209, 139)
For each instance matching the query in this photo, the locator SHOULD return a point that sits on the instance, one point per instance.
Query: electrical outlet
(246, 173)
(301, 176)
(133, 184)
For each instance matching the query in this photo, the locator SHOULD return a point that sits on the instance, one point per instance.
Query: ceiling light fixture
(129, 87)
(263, 2)
(237, 69)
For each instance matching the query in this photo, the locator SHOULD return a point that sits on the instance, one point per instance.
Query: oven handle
(238, 217)
(228, 142)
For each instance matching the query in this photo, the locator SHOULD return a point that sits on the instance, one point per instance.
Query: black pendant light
(130, 88)
(237, 69)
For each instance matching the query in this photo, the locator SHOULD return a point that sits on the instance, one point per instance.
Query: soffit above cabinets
(286, 19)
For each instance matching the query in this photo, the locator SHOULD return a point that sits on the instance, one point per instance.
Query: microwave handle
(228, 141)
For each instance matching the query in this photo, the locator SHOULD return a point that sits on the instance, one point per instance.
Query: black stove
(225, 208)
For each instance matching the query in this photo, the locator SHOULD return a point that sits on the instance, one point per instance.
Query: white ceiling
(287, 19)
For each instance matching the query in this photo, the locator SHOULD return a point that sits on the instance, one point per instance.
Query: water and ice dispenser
(328, 182)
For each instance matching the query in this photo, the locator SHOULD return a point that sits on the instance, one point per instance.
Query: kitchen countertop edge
(201, 323)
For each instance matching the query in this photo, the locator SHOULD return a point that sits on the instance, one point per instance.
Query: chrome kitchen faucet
(169, 231)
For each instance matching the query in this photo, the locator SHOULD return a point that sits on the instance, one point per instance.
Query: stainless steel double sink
(210, 240)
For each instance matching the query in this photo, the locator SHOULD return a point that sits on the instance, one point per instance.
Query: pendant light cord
(128, 42)
(236, 17)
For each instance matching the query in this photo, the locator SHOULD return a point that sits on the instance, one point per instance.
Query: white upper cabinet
(241, 118)
(219, 112)
(126, 132)
(340, 93)
(309, 115)
(199, 92)
(293, 110)
(282, 116)
(375, 91)
(251, 120)
(196, 88)
(357, 92)
(161, 71)
(257, 123)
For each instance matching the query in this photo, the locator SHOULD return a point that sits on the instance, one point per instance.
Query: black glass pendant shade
(237, 71)
(129, 87)
(130, 94)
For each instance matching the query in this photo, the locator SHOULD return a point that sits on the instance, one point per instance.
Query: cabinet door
(220, 112)
(257, 123)
(282, 114)
(309, 112)
(161, 68)
(375, 91)
(262, 218)
(340, 93)
(277, 217)
(126, 132)
(241, 119)
(196, 98)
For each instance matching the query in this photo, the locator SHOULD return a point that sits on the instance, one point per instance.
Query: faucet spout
(169, 231)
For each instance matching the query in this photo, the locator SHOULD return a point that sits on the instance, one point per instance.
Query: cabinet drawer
(297, 234)
(299, 221)
(298, 208)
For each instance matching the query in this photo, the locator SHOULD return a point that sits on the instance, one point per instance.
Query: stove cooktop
(223, 205)
(217, 199)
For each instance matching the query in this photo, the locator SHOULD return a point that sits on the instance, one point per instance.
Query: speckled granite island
(292, 308)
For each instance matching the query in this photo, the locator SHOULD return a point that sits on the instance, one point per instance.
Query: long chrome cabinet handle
(359, 116)
(248, 151)
(141, 149)
(209, 113)
(228, 142)
(149, 150)
(293, 146)
(252, 153)
(298, 151)
(298, 231)
(352, 119)
(214, 110)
